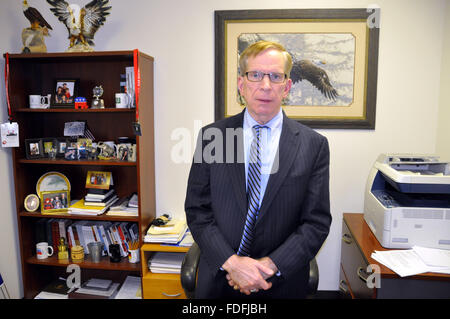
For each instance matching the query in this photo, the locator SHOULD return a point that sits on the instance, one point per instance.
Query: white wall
(443, 140)
(180, 35)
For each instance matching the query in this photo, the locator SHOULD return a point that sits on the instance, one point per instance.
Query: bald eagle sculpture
(35, 18)
(81, 23)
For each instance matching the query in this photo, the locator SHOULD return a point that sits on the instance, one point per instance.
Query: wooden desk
(358, 243)
(160, 286)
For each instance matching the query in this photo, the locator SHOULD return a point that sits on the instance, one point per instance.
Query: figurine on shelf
(33, 37)
(82, 23)
(80, 103)
(98, 103)
(63, 252)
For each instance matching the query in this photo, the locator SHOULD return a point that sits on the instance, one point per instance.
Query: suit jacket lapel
(287, 151)
(236, 169)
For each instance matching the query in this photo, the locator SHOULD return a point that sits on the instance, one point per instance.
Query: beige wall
(443, 132)
(412, 91)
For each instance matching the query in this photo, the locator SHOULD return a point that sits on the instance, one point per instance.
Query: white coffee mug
(133, 256)
(40, 102)
(35, 101)
(122, 100)
(43, 250)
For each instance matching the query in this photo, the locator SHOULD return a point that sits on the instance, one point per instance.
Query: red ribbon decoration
(7, 85)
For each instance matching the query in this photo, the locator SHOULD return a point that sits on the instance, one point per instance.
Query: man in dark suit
(257, 200)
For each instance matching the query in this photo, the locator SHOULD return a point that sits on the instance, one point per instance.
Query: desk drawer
(162, 286)
(354, 266)
(344, 289)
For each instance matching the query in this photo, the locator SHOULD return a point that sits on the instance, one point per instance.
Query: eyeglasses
(257, 76)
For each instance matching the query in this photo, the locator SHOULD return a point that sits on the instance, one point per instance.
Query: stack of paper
(97, 287)
(415, 261)
(79, 208)
(165, 262)
(171, 233)
(130, 289)
(122, 208)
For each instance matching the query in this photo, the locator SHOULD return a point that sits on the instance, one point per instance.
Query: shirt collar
(275, 123)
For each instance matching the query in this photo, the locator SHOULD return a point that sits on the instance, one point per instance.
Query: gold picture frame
(54, 202)
(98, 180)
(311, 35)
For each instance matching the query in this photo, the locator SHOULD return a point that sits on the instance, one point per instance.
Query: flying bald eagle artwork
(81, 23)
(313, 84)
(33, 37)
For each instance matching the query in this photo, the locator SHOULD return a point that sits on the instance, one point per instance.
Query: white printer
(407, 201)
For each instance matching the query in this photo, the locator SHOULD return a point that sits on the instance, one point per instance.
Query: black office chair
(190, 265)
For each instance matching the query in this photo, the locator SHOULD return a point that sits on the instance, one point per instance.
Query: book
(93, 195)
(133, 201)
(79, 207)
(106, 203)
(171, 233)
(166, 262)
(57, 289)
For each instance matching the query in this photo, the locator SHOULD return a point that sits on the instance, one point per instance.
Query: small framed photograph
(34, 148)
(50, 145)
(98, 179)
(55, 201)
(61, 146)
(65, 92)
(31, 203)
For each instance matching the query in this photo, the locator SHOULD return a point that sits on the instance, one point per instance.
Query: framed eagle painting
(335, 61)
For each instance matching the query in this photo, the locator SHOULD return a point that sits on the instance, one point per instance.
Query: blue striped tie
(253, 190)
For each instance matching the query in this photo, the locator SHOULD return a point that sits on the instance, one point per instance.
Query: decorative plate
(52, 181)
(31, 203)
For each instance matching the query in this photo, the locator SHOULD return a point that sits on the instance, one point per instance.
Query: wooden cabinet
(160, 286)
(356, 279)
(36, 74)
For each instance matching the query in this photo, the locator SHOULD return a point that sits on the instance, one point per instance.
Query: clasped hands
(248, 274)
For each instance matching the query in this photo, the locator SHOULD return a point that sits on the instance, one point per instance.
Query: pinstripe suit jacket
(294, 218)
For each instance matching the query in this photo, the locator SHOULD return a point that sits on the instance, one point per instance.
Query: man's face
(264, 98)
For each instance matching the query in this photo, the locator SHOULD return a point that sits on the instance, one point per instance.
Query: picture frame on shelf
(31, 203)
(98, 179)
(55, 201)
(62, 144)
(34, 148)
(50, 146)
(65, 92)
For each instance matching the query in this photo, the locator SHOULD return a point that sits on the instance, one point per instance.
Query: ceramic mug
(122, 100)
(133, 256)
(40, 102)
(122, 151)
(43, 250)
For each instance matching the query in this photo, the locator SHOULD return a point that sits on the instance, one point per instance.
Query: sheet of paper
(405, 262)
(10, 134)
(131, 289)
(433, 256)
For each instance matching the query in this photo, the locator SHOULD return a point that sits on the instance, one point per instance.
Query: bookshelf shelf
(105, 110)
(103, 217)
(77, 162)
(104, 263)
(35, 74)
